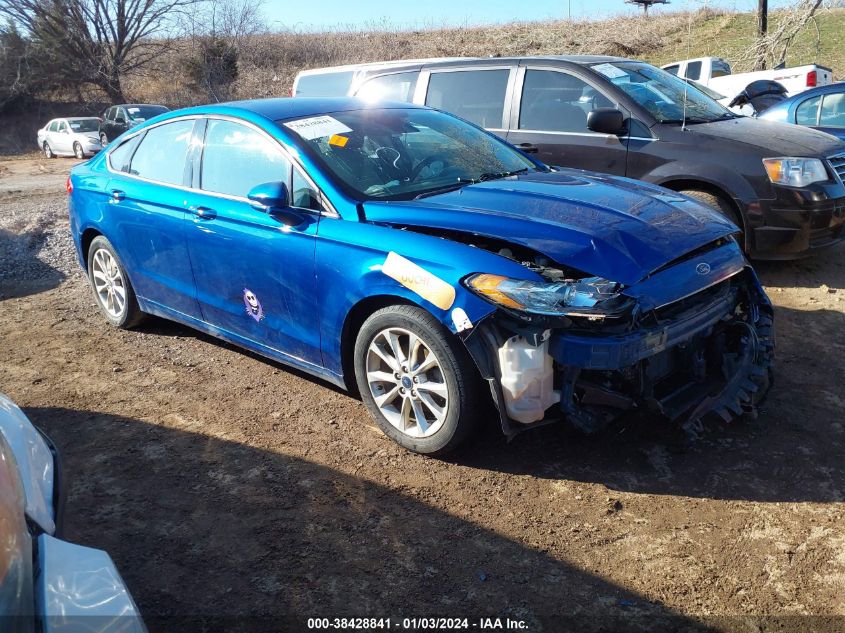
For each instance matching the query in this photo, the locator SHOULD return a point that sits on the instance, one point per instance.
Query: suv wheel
(717, 202)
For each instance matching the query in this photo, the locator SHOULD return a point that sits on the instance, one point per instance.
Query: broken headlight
(592, 296)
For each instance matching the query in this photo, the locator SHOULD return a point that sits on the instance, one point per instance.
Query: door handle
(117, 195)
(529, 148)
(204, 213)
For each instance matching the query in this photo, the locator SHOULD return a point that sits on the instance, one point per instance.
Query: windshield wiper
(461, 182)
(504, 174)
(688, 121)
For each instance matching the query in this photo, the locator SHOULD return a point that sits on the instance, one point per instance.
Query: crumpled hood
(612, 227)
(771, 137)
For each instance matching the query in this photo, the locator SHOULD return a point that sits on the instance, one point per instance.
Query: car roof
(281, 108)
(459, 61)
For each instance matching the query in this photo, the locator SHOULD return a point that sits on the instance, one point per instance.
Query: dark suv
(781, 184)
(119, 118)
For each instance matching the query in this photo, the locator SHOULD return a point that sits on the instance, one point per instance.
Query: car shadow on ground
(21, 272)
(215, 535)
(789, 453)
(826, 267)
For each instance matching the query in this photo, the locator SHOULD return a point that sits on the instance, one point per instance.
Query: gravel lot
(225, 486)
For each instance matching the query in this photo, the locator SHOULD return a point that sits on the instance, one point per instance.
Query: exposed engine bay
(703, 356)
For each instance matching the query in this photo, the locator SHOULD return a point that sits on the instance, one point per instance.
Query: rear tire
(104, 140)
(48, 151)
(111, 287)
(409, 367)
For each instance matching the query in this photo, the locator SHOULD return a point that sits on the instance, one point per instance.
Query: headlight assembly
(795, 172)
(591, 297)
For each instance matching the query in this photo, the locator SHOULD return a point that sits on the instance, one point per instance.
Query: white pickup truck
(715, 73)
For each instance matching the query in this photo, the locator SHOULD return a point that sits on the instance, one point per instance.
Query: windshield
(143, 112)
(84, 125)
(662, 93)
(403, 153)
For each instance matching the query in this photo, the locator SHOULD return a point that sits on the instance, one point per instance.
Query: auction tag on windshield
(317, 127)
(609, 70)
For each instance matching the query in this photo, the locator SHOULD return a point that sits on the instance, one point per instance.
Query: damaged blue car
(408, 255)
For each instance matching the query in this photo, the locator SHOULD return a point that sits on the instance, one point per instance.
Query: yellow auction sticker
(417, 279)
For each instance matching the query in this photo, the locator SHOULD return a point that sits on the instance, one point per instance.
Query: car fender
(356, 261)
(718, 177)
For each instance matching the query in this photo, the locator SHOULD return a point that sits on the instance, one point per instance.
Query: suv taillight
(69, 186)
(812, 79)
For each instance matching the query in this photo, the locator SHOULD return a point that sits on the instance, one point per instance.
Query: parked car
(821, 108)
(410, 255)
(782, 185)
(119, 118)
(47, 584)
(76, 136)
(716, 73)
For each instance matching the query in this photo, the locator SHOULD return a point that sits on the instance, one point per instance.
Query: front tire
(716, 202)
(416, 380)
(104, 140)
(110, 284)
(78, 151)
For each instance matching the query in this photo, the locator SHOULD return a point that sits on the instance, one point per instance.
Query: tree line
(48, 45)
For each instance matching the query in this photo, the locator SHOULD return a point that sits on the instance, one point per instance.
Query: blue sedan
(822, 108)
(410, 256)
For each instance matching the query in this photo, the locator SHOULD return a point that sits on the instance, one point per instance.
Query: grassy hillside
(269, 63)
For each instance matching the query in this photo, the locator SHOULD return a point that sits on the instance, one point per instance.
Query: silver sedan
(76, 136)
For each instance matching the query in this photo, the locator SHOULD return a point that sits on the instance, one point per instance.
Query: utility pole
(762, 29)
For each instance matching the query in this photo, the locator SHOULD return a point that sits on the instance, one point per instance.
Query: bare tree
(219, 36)
(98, 41)
(772, 46)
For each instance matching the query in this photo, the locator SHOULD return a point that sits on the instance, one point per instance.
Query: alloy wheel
(108, 283)
(407, 383)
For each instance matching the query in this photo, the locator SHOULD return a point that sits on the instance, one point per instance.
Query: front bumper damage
(707, 356)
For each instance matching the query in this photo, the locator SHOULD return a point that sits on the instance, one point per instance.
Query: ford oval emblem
(703, 268)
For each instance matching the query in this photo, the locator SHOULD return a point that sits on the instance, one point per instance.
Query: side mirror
(120, 120)
(606, 121)
(270, 195)
(273, 198)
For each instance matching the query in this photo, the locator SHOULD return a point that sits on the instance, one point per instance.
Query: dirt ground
(226, 486)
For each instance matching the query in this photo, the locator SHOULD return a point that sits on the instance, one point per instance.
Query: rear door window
(694, 71)
(161, 155)
(475, 95)
(54, 127)
(672, 69)
(554, 101)
(395, 87)
(808, 112)
(236, 158)
(120, 156)
(334, 84)
(832, 113)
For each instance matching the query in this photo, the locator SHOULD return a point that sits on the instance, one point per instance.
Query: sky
(334, 14)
